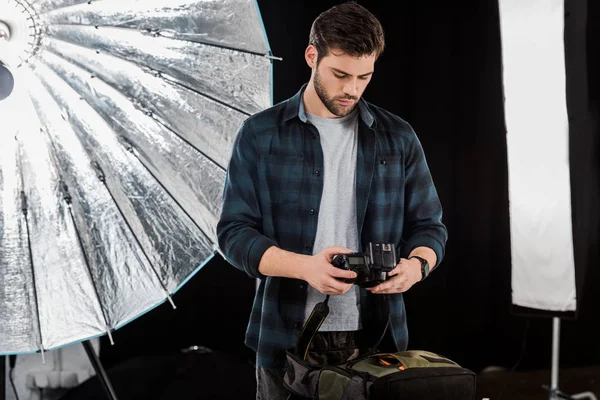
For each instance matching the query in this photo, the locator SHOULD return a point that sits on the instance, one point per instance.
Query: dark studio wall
(441, 71)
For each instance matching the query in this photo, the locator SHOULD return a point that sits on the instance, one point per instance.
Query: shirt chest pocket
(388, 180)
(280, 177)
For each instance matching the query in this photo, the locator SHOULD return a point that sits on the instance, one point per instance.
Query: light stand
(553, 392)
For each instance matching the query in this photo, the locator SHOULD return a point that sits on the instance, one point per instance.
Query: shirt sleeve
(423, 211)
(239, 228)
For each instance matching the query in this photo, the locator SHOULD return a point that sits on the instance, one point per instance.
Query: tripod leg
(95, 360)
(2, 377)
(584, 395)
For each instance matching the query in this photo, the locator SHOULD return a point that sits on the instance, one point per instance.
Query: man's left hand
(401, 278)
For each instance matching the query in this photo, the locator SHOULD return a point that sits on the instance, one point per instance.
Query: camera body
(371, 267)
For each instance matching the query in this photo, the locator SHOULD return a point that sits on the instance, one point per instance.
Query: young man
(323, 173)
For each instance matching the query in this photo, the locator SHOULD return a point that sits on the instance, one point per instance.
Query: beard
(330, 101)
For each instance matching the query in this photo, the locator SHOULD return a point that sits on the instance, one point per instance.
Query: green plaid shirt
(272, 195)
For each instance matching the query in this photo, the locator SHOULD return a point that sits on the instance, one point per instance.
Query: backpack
(413, 374)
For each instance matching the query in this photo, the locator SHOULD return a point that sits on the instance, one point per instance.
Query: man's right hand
(318, 272)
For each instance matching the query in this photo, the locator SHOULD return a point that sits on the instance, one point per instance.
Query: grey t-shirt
(336, 224)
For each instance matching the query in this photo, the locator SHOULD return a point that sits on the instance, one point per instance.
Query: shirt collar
(295, 108)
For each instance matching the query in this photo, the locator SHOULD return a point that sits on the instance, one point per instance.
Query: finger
(381, 288)
(372, 289)
(398, 287)
(328, 290)
(392, 280)
(397, 270)
(345, 290)
(339, 287)
(392, 285)
(335, 292)
(340, 273)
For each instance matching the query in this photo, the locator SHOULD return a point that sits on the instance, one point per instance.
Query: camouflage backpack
(413, 374)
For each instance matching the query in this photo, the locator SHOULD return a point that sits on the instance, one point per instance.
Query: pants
(325, 348)
(269, 384)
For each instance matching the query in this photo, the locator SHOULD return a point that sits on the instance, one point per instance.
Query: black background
(441, 71)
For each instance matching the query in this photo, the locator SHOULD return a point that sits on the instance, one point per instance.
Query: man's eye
(340, 76)
(363, 78)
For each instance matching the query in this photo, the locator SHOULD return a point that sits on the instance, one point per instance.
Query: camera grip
(339, 261)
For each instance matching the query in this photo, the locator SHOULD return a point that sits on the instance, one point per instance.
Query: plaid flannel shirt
(272, 195)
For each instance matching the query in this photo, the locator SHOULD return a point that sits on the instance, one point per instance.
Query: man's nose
(350, 88)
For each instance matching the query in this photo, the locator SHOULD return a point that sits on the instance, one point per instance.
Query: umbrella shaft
(95, 360)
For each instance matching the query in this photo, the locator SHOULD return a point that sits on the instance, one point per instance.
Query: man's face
(340, 80)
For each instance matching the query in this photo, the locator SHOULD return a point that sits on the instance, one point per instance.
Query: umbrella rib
(166, 190)
(157, 120)
(221, 102)
(172, 82)
(141, 162)
(129, 148)
(254, 53)
(31, 3)
(67, 198)
(156, 32)
(87, 262)
(188, 143)
(35, 294)
(102, 175)
(162, 74)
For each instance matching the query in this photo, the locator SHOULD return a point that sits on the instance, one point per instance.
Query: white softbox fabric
(533, 56)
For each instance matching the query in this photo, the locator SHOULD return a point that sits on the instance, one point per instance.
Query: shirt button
(382, 162)
(312, 211)
(314, 135)
(317, 173)
(302, 285)
(307, 248)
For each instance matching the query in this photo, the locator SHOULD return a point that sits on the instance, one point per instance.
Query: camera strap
(312, 325)
(316, 318)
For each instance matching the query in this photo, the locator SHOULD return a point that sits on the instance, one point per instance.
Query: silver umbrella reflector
(113, 152)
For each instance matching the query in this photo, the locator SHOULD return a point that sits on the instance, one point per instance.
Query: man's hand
(401, 278)
(321, 275)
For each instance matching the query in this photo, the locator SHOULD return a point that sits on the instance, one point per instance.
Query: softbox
(552, 144)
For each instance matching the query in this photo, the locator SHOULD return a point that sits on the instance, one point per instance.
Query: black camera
(371, 267)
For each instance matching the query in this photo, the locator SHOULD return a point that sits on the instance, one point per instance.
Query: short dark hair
(348, 27)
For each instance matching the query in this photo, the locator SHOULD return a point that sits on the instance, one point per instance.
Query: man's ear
(311, 55)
